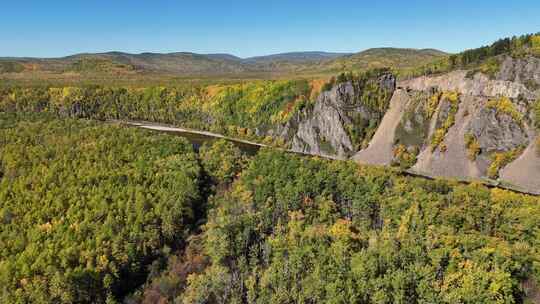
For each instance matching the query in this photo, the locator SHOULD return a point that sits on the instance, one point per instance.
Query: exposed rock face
(322, 131)
(325, 128)
(479, 85)
(443, 112)
(387, 82)
(523, 70)
(415, 119)
(414, 126)
(497, 132)
(493, 131)
(454, 161)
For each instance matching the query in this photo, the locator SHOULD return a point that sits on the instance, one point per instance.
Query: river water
(197, 140)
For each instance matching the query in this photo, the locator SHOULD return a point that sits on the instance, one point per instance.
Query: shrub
(504, 105)
(328, 85)
(451, 96)
(535, 45)
(536, 109)
(473, 146)
(432, 104)
(440, 133)
(443, 148)
(500, 159)
(490, 67)
(404, 157)
(437, 138)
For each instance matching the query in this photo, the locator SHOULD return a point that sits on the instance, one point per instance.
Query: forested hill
(486, 59)
(384, 57)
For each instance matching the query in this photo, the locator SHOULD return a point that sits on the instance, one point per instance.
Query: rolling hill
(186, 64)
(385, 57)
(296, 57)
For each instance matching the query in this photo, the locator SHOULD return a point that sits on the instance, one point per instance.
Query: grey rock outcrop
(324, 128)
(525, 170)
(497, 132)
(479, 85)
(494, 131)
(523, 70)
(387, 82)
(454, 161)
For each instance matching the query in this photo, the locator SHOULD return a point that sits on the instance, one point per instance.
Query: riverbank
(198, 137)
(210, 135)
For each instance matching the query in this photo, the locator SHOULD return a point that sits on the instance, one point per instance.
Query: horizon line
(344, 53)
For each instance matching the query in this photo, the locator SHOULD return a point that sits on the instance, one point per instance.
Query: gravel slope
(525, 170)
(454, 162)
(380, 149)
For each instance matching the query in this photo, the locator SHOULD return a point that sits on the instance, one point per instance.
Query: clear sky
(256, 27)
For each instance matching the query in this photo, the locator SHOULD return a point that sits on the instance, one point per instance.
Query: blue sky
(256, 27)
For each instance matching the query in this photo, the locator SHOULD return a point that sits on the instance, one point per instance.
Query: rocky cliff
(342, 120)
(490, 135)
(521, 70)
(460, 124)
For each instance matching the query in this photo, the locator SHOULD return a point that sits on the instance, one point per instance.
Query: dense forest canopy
(91, 211)
(303, 230)
(86, 207)
(236, 110)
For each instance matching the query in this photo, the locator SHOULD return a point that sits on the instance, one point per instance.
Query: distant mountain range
(297, 57)
(185, 63)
